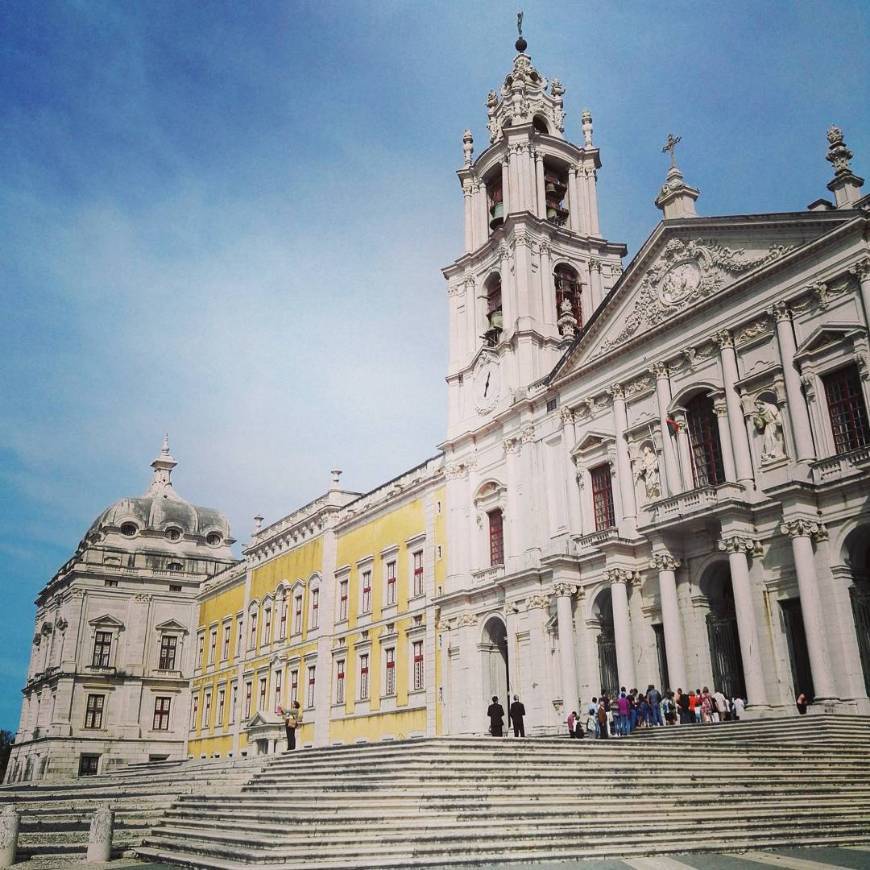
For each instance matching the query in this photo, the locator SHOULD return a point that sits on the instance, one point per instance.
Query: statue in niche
(768, 423)
(649, 472)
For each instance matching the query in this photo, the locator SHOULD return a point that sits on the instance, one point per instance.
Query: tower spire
(676, 199)
(161, 482)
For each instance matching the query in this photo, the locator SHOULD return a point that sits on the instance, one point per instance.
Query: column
(469, 216)
(720, 406)
(667, 565)
(623, 463)
(481, 218)
(548, 292)
(540, 198)
(527, 176)
(802, 533)
(573, 200)
(663, 395)
(572, 492)
(505, 185)
(513, 174)
(797, 406)
(861, 271)
(592, 198)
(595, 283)
(738, 548)
(564, 593)
(619, 580)
(739, 436)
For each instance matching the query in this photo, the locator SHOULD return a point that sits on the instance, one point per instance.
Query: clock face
(486, 386)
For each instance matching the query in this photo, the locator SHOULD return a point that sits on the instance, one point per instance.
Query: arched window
(704, 438)
(540, 124)
(567, 284)
(494, 315)
(555, 189)
(495, 198)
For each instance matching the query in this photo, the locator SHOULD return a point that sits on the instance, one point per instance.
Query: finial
(467, 147)
(670, 147)
(161, 482)
(838, 154)
(164, 450)
(258, 523)
(586, 126)
(845, 185)
(336, 476)
(521, 45)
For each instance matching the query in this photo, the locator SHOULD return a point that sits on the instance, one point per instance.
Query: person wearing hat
(495, 711)
(516, 713)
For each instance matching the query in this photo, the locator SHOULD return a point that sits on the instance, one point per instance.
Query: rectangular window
(366, 599)
(418, 573)
(212, 649)
(267, 625)
(315, 608)
(390, 671)
(418, 664)
(364, 677)
(102, 649)
(277, 684)
(240, 634)
(206, 710)
(89, 765)
(391, 583)
(111, 583)
(221, 705)
(707, 466)
(297, 614)
(339, 681)
(161, 714)
(249, 688)
(602, 497)
(225, 647)
(263, 682)
(847, 409)
(496, 537)
(200, 647)
(342, 601)
(282, 625)
(294, 685)
(252, 639)
(234, 700)
(194, 712)
(174, 587)
(94, 711)
(168, 651)
(311, 674)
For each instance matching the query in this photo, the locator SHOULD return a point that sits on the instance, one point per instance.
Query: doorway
(494, 662)
(723, 634)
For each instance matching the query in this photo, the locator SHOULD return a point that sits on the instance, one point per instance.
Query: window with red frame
(366, 602)
(704, 439)
(194, 712)
(390, 669)
(277, 683)
(311, 675)
(339, 681)
(263, 683)
(418, 664)
(294, 685)
(161, 714)
(496, 537)
(297, 614)
(248, 691)
(282, 620)
(364, 677)
(342, 600)
(252, 640)
(602, 497)
(847, 409)
(418, 573)
(391, 583)
(267, 625)
(315, 608)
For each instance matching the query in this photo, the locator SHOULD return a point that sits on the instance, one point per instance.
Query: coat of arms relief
(686, 272)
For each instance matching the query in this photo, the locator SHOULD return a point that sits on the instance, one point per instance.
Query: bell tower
(535, 265)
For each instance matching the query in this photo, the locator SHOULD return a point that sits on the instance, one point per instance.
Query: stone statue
(519, 23)
(649, 472)
(768, 422)
(567, 323)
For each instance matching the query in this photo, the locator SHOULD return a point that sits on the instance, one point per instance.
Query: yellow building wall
(440, 575)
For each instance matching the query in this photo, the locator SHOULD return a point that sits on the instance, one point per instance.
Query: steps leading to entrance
(443, 801)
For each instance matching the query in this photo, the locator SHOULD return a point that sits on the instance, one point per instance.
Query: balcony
(596, 539)
(488, 575)
(842, 465)
(703, 499)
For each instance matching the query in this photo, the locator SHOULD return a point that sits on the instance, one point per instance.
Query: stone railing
(835, 467)
(488, 575)
(596, 539)
(683, 503)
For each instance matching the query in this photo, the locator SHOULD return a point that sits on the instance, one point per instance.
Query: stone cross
(670, 147)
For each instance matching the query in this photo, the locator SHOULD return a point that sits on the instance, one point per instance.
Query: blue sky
(226, 220)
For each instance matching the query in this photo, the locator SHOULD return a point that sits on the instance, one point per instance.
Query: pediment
(826, 336)
(675, 272)
(171, 625)
(106, 621)
(263, 718)
(593, 441)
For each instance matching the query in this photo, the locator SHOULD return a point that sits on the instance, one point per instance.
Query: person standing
(737, 707)
(516, 713)
(623, 706)
(570, 722)
(801, 704)
(495, 711)
(292, 720)
(602, 720)
(654, 698)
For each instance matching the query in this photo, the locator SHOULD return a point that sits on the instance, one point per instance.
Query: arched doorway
(722, 633)
(607, 668)
(494, 662)
(857, 546)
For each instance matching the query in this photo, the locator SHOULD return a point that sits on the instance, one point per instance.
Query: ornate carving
(822, 294)
(740, 544)
(720, 407)
(467, 147)
(780, 311)
(861, 269)
(456, 472)
(759, 327)
(562, 589)
(512, 445)
(724, 338)
(838, 154)
(566, 415)
(616, 392)
(567, 322)
(638, 385)
(649, 473)
(621, 575)
(687, 272)
(61, 624)
(467, 619)
(768, 421)
(660, 370)
(804, 528)
(534, 602)
(528, 433)
(664, 562)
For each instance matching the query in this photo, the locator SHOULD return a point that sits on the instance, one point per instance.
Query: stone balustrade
(842, 465)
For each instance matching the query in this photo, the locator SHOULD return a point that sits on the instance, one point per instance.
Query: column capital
(566, 415)
(723, 338)
(616, 391)
(780, 311)
(861, 269)
(804, 528)
(512, 445)
(594, 265)
(720, 406)
(664, 562)
(563, 590)
(660, 371)
(544, 248)
(621, 575)
(740, 544)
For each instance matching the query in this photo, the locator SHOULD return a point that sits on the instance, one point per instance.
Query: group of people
(619, 716)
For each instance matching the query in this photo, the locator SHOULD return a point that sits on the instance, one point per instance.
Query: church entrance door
(494, 663)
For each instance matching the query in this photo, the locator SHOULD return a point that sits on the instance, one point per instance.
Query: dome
(162, 509)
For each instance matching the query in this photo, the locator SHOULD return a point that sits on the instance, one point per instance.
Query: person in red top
(693, 702)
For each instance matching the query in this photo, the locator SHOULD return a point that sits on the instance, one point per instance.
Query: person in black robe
(495, 711)
(516, 713)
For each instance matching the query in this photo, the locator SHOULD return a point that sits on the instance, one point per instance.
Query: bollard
(100, 836)
(8, 835)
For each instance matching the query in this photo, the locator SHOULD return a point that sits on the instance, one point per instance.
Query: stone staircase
(55, 818)
(462, 801)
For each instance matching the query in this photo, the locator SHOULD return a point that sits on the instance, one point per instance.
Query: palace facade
(652, 473)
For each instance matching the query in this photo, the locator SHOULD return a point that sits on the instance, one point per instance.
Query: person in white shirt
(738, 706)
